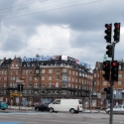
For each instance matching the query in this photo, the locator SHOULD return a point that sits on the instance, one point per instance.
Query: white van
(66, 105)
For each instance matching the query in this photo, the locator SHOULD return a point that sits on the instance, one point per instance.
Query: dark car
(42, 108)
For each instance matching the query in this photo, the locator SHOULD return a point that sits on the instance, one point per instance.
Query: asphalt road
(58, 118)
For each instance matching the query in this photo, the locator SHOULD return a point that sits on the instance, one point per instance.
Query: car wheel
(51, 110)
(37, 109)
(72, 111)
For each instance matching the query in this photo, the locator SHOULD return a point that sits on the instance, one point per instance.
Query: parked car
(66, 105)
(119, 109)
(3, 105)
(42, 108)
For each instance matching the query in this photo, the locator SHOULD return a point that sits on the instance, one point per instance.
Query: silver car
(119, 109)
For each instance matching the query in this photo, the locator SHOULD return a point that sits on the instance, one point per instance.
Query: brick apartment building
(100, 83)
(44, 79)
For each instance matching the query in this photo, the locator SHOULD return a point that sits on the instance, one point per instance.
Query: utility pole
(91, 98)
(111, 70)
(111, 91)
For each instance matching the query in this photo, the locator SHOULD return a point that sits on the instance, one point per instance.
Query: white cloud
(50, 39)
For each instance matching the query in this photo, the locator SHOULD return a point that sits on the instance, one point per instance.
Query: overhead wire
(53, 9)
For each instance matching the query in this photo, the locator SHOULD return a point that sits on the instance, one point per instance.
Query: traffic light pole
(111, 91)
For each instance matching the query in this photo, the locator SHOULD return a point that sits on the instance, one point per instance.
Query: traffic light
(108, 32)
(107, 90)
(114, 70)
(20, 87)
(106, 69)
(116, 32)
(109, 50)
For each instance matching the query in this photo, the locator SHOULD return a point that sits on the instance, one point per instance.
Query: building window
(43, 77)
(50, 77)
(119, 83)
(49, 84)
(57, 70)
(94, 75)
(26, 71)
(57, 77)
(30, 77)
(57, 84)
(36, 85)
(29, 84)
(36, 78)
(73, 79)
(104, 83)
(10, 84)
(5, 78)
(69, 85)
(120, 75)
(42, 84)
(5, 72)
(43, 71)
(73, 73)
(5, 84)
(64, 70)
(50, 70)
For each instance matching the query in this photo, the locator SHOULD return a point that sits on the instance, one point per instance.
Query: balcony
(65, 81)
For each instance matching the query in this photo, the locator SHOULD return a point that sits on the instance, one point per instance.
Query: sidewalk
(21, 107)
(93, 111)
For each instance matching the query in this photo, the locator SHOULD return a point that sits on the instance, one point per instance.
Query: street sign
(104, 58)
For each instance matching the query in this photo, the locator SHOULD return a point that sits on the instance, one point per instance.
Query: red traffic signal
(106, 69)
(116, 32)
(114, 64)
(117, 25)
(114, 70)
(108, 32)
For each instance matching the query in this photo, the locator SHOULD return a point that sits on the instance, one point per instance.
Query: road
(58, 118)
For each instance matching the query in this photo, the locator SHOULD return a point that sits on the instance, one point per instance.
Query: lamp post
(91, 92)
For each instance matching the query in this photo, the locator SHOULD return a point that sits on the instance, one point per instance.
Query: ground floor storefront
(96, 103)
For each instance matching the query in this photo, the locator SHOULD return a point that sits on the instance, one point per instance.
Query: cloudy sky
(59, 27)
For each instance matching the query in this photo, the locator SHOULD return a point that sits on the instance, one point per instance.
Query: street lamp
(91, 91)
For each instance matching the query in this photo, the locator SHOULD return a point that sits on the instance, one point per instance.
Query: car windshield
(80, 102)
(118, 106)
